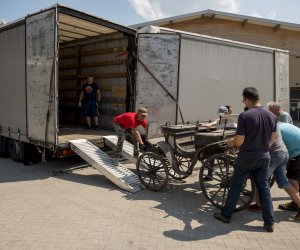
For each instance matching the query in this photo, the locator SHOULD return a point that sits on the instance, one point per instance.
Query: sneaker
(88, 128)
(221, 217)
(290, 206)
(254, 208)
(96, 128)
(269, 228)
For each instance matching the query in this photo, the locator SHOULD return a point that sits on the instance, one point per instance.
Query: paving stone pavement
(84, 210)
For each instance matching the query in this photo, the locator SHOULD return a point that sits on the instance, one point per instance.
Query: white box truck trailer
(46, 57)
(203, 73)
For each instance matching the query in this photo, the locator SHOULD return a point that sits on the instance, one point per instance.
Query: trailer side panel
(40, 48)
(214, 73)
(160, 54)
(12, 81)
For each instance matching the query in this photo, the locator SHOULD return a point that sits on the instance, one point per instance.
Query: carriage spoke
(216, 190)
(152, 171)
(216, 193)
(244, 202)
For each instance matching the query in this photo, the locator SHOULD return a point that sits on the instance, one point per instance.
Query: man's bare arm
(236, 142)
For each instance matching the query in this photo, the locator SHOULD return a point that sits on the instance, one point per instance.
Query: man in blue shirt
(256, 131)
(291, 138)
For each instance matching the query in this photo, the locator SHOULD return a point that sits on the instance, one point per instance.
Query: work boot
(254, 208)
(221, 217)
(136, 154)
(269, 228)
(208, 178)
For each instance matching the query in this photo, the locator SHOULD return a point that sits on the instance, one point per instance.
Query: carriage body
(186, 145)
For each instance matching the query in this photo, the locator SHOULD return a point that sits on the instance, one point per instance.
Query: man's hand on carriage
(236, 142)
(207, 125)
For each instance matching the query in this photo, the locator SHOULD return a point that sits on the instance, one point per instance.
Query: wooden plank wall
(105, 61)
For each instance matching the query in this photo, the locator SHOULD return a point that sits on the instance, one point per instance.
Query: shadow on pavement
(186, 203)
(68, 169)
(181, 200)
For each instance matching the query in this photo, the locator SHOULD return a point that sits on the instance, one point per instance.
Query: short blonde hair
(273, 105)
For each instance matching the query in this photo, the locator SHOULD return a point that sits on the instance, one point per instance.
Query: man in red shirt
(126, 124)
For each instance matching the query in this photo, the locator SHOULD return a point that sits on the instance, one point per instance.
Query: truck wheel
(4, 147)
(15, 149)
(31, 154)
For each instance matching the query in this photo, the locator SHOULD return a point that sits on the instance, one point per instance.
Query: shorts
(293, 169)
(90, 108)
(277, 167)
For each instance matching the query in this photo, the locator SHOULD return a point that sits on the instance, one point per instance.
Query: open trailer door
(41, 81)
(157, 79)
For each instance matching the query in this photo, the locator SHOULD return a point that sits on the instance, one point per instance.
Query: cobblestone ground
(84, 210)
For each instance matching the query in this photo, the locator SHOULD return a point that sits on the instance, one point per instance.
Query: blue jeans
(258, 169)
(277, 167)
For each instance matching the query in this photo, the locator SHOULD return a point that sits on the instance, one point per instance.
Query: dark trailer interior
(90, 46)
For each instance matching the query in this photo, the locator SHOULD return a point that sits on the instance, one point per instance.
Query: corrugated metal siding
(160, 53)
(40, 35)
(214, 74)
(12, 81)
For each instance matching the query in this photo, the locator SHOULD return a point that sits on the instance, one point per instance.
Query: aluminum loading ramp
(127, 151)
(121, 176)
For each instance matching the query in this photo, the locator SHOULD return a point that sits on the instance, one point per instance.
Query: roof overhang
(221, 15)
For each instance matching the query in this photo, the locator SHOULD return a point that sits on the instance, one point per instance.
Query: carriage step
(121, 176)
(127, 151)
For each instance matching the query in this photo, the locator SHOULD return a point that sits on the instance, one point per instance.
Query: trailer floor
(67, 133)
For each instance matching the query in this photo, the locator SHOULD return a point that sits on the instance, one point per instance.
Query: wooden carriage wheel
(216, 190)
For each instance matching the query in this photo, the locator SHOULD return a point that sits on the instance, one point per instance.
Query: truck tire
(15, 149)
(4, 147)
(31, 154)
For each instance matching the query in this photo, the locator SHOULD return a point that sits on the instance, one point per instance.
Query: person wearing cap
(126, 124)
(223, 110)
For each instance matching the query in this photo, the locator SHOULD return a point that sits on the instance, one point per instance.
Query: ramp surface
(121, 176)
(127, 151)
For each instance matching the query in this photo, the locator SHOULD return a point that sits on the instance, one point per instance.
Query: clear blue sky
(129, 12)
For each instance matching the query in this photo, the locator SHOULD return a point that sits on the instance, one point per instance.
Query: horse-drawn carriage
(185, 146)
